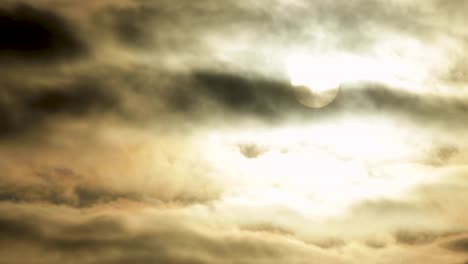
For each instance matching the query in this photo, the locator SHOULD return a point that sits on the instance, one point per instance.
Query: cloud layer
(137, 131)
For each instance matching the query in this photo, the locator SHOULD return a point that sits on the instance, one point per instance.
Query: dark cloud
(442, 154)
(110, 240)
(24, 110)
(63, 193)
(138, 27)
(77, 100)
(92, 234)
(208, 95)
(246, 95)
(138, 98)
(204, 96)
(459, 245)
(330, 243)
(64, 236)
(19, 230)
(83, 196)
(30, 34)
(415, 238)
(374, 243)
(268, 228)
(276, 100)
(273, 100)
(377, 99)
(252, 151)
(64, 186)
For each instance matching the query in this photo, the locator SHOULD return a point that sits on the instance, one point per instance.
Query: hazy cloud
(137, 131)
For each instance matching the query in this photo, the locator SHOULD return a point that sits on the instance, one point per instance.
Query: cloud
(377, 99)
(84, 164)
(203, 97)
(274, 100)
(108, 110)
(415, 238)
(32, 34)
(252, 151)
(459, 245)
(111, 239)
(241, 95)
(268, 228)
(24, 109)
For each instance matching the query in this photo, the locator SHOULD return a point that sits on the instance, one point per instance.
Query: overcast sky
(157, 131)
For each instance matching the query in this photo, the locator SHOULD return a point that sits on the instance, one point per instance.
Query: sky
(209, 131)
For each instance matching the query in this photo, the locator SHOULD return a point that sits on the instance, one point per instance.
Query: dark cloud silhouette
(79, 186)
(206, 93)
(443, 154)
(136, 27)
(273, 100)
(204, 96)
(243, 95)
(329, 243)
(19, 230)
(84, 196)
(373, 243)
(377, 99)
(459, 245)
(30, 34)
(252, 151)
(268, 228)
(64, 193)
(415, 238)
(109, 240)
(86, 235)
(23, 110)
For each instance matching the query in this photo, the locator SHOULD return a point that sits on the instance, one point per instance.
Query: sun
(318, 73)
(316, 78)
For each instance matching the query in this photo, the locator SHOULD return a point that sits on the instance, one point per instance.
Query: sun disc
(315, 79)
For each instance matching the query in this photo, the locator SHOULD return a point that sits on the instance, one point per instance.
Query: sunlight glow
(324, 72)
(318, 170)
(398, 62)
